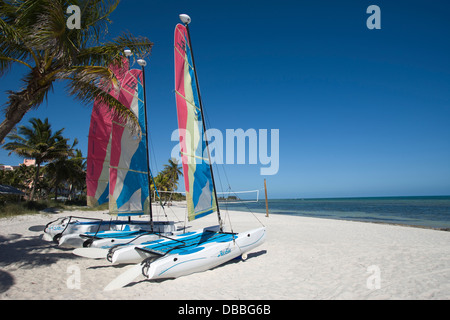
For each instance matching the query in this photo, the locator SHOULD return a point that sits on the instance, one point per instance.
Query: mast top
(142, 62)
(185, 18)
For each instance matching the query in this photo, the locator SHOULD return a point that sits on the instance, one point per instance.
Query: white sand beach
(302, 258)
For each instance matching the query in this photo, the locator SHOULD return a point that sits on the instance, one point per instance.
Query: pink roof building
(29, 162)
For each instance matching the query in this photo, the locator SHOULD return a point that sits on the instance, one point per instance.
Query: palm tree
(60, 169)
(20, 178)
(162, 183)
(67, 172)
(40, 143)
(77, 172)
(34, 33)
(173, 172)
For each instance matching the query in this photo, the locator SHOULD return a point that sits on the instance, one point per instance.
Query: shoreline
(375, 222)
(402, 225)
(302, 258)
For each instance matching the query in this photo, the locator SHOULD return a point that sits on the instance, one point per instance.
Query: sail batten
(199, 186)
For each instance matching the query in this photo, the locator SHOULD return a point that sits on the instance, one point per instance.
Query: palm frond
(87, 92)
(8, 11)
(12, 47)
(95, 22)
(49, 27)
(28, 12)
(89, 74)
(34, 93)
(110, 52)
(9, 33)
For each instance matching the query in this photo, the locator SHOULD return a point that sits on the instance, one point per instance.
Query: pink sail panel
(99, 147)
(182, 113)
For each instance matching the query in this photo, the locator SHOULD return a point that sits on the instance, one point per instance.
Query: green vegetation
(167, 182)
(10, 207)
(60, 169)
(65, 167)
(13, 208)
(38, 142)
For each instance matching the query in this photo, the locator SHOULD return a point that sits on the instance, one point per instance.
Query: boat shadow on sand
(234, 261)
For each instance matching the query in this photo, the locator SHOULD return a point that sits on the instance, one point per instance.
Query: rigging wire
(229, 189)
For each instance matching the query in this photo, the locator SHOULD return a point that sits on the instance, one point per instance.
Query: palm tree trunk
(56, 192)
(36, 177)
(13, 116)
(19, 103)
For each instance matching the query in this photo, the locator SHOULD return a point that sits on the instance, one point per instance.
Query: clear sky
(360, 112)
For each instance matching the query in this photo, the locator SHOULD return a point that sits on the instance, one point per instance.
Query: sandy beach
(302, 258)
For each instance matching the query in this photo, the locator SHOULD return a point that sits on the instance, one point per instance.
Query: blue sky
(360, 112)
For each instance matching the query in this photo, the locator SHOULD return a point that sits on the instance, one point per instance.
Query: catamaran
(117, 172)
(184, 254)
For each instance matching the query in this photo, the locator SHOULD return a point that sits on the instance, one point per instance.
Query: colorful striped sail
(129, 185)
(99, 150)
(99, 145)
(124, 172)
(199, 186)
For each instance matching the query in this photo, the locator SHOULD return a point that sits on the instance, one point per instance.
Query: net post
(267, 205)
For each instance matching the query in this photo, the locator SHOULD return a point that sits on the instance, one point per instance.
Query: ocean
(430, 212)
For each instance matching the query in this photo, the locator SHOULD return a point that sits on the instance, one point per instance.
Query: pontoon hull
(131, 254)
(208, 257)
(73, 232)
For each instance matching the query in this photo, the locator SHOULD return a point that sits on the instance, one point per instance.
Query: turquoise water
(433, 212)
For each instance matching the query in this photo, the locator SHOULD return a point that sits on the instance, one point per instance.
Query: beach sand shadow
(6, 281)
(233, 261)
(39, 228)
(29, 252)
(256, 254)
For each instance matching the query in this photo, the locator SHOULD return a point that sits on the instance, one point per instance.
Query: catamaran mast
(143, 63)
(186, 20)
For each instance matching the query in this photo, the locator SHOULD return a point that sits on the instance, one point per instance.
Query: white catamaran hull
(73, 232)
(212, 255)
(198, 259)
(104, 240)
(72, 225)
(101, 248)
(109, 243)
(132, 254)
